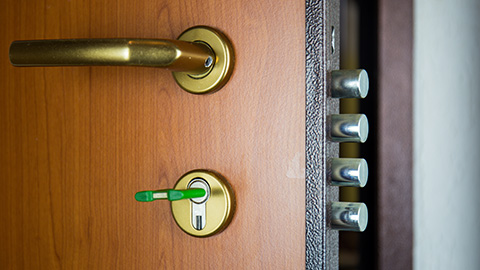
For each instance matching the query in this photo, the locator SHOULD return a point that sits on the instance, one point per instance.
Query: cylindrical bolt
(349, 83)
(348, 128)
(348, 216)
(348, 172)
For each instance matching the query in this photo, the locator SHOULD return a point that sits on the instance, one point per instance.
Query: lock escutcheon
(218, 208)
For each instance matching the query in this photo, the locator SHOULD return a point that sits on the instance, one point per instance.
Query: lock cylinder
(198, 205)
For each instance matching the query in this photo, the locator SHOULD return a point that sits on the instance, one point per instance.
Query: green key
(169, 194)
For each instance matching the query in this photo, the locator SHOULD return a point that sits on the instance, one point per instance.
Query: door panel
(78, 142)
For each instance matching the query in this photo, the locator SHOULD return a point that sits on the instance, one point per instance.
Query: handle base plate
(223, 63)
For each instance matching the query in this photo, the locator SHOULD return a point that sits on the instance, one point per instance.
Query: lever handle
(195, 58)
(201, 59)
(169, 194)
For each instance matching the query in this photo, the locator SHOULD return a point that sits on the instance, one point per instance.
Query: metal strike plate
(208, 215)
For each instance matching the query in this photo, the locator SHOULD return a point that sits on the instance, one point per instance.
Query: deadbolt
(349, 83)
(348, 172)
(348, 216)
(348, 127)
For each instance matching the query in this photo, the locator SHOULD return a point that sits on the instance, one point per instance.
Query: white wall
(447, 134)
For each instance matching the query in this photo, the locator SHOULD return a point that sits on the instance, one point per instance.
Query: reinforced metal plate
(322, 56)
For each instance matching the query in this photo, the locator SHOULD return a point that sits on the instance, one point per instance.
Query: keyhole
(198, 205)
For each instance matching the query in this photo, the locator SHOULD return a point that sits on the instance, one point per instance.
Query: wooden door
(78, 142)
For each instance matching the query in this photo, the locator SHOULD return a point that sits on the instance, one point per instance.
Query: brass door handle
(201, 59)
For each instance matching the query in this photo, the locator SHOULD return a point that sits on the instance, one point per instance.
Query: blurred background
(423, 151)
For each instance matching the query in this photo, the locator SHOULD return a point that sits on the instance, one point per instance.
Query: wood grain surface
(78, 142)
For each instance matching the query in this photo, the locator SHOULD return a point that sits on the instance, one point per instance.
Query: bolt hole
(333, 40)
